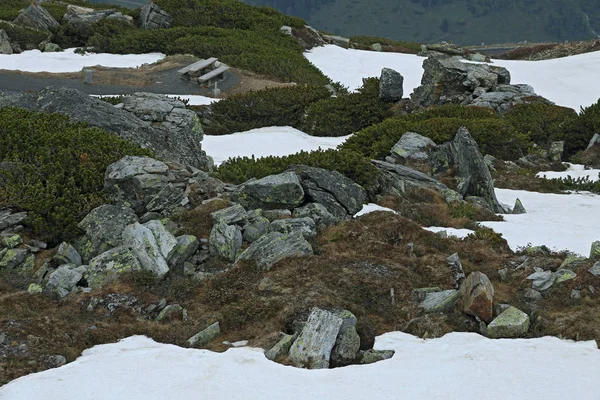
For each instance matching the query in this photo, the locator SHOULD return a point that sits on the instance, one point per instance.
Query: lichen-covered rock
(230, 215)
(412, 146)
(205, 336)
(595, 270)
(318, 213)
(556, 151)
(305, 226)
(103, 228)
(512, 323)
(456, 269)
(274, 191)
(312, 348)
(595, 250)
(67, 254)
(390, 85)
(274, 247)
(437, 302)
(373, 356)
(82, 17)
(34, 288)
(154, 17)
(64, 279)
(143, 244)
(225, 241)
(9, 219)
(563, 275)
(165, 240)
(187, 245)
(11, 240)
(170, 312)
(256, 227)
(518, 208)
(5, 47)
(36, 17)
(542, 280)
(168, 200)
(347, 342)
(478, 296)
(13, 258)
(281, 348)
(107, 266)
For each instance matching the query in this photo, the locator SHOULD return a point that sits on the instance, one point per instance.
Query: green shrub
(348, 163)
(578, 131)
(543, 123)
(89, 35)
(26, 38)
(452, 111)
(55, 168)
(365, 42)
(271, 107)
(346, 113)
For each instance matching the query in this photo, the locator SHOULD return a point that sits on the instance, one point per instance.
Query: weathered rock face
(179, 145)
(83, 16)
(412, 146)
(456, 269)
(9, 219)
(36, 17)
(67, 254)
(347, 342)
(305, 226)
(229, 215)
(312, 348)
(109, 265)
(274, 247)
(338, 194)
(274, 191)
(103, 227)
(390, 85)
(318, 213)
(205, 336)
(64, 279)
(5, 47)
(187, 245)
(473, 175)
(225, 241)
(154, 17)
(436, 302)
(542, 280)
(512, 323)
(143, 244)
(478, 296)
(281, 348)
(308, 37)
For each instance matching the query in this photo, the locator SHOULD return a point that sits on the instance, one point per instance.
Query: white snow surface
(570, 81)
(68, 61)
(574, 171)
(453, 367)
(459, 233)
(371, 207)
(263, 142)
(559, 221)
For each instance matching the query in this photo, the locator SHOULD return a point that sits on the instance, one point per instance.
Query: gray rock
(595, 250)
(338, 41)
(338, 194)
(563, 275)
(186, 247)
(64, 279)
(36, 17)
(373, 356)
(225, 241)
(305, 226)
(456, 269)
(419, 294)
(179, 144)
(168, 199)
(67, 254)
(512, 323)
(376, 47)
(347, 342)
(9, 219)
(82, 17)
(172, 311)
(556, 151)
(312, 348)
(274, 247)
(5, 47)
(143, 244)
(230, 215)
(532, 294)
(412, 146)
(272, 215)
(56, 361)
(595, 270)
(206, 336)
(390, 85)
(518, 208)
(474, 178)
(51, 48)
(165, 240)
(500, 308)
(274, 191)
(10, 240)
(575, 294)
(318, 213)
(103, 227)
(107, 266)
(255, 228)
(478, 296)
(542, 280)
(286, 30)
(12, 258)
(477, 57)
(154, 17)
(437, 302)
(594, 140)
(281, 348)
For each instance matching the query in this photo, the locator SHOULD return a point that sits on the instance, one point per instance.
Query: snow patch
(575, 171)
(459, 233)
(371, 207)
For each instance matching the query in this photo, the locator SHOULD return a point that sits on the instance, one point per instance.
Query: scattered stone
(312, 348)
(318, 213)
(165, 240)
(34, 288)
(186, 247)
(531, 294)
(595, 270)
(5, 47)
(458, 275)
(56, 361)
(573, 261)
(563, 275)
(412, 146)
(36, 17)
(10, 240)
(305, 226)
(518, 208)
(542, 280)
(154, 17)
(64, 279)
(67, 254)
(274, 191)
(439, 302)
(256, 227)
(575, 294)
(281, 348)
(338, 41)
(556, 151)
(595, 250)
(273, 215)
(12, 258)
(169, 313)
(274, 247)
(225, 241)
(390, 85)
(504, 274)
(107, 266)
(420, 293)
(206, 336)
(373, 356)
(478, 296)
(143, 244)
(347, 342)
(512, 323)
(231, 215)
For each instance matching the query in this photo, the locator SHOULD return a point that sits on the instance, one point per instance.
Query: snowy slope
(457, 366)
(571, 81)
(262, 142)
(559, 221)
(68, 61)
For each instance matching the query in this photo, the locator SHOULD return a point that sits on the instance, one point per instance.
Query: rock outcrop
(273, 247)
(412, 146)
(478, 296)
(390, 85)
(154, 17)
(36, 17)
(83, 16)
(5, 47)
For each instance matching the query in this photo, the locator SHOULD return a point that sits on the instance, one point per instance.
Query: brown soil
(249, 81)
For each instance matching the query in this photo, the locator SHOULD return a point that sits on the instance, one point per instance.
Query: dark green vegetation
(54, 168)
(458, 21)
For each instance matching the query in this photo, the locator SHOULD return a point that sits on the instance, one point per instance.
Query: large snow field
(571, 81)
(559, 221)
(263, 142)
(69, 61)
(456, 366)
(574, 171)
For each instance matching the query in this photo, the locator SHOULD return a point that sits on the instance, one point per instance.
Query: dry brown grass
(197, 222)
